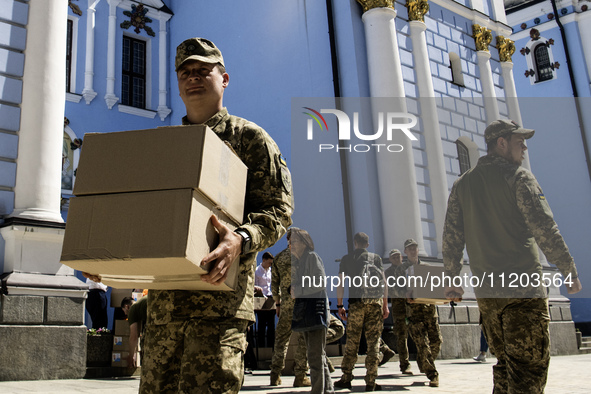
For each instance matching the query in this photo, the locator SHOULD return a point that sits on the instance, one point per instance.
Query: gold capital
(370, 4)
(482, 37)
(506, 48)
(417, 9)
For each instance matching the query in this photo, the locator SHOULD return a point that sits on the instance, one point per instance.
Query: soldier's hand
(575, 287)
(342, 314)
(92, 277)
(224, 255)
(277, 310)
(385, 311)
(453, 293)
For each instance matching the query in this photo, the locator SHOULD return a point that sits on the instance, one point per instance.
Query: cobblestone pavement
(568, 374)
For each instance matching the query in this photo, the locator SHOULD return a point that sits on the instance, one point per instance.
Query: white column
(37, 192)
(88, 92)
(488, 88)
(163, 110)
(110, 97)
(584, 23)
(512, 101)
(396, 172)
(429, 116)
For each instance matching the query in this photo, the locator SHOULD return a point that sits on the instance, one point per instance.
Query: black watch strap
(246, 241)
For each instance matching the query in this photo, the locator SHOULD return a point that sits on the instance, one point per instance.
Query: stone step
(585, 351)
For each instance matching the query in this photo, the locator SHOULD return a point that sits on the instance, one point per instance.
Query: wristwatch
(246, 241)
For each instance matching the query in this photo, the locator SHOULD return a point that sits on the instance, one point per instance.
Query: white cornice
(136, 111)
(475, 16)
(534, 11)
(544, 26)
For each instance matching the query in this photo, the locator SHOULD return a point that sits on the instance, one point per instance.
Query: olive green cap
(502, 127)
(197, 49)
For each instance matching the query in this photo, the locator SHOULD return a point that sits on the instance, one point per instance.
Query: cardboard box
(121, 328)
(147, 240)
(423, 294)
(117, 295)
(119, 359)
(264, 303)
(178, 157)
(121, 342)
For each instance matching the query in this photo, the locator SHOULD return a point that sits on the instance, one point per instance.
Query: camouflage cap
(393, 252)
(197, 49)
(502, 127)
(409, 242)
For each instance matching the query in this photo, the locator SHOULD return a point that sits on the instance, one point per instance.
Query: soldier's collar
(211, 122)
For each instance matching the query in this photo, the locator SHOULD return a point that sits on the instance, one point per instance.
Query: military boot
(302, 381)
(275, 379)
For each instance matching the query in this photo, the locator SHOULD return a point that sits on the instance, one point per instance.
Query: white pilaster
(396, 172)
(110, 97)
(488, 88)
(584, 23)
(163, 110)
(512, 101)
(38, 177)
(430, 119)
(88, 92)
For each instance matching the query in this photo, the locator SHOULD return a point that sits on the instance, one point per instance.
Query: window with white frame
(468, 154)
(540, 60)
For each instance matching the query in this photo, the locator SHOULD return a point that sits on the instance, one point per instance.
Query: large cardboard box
(117, 295)
(121, 328)
(148, 240)
(178, 157)
(426, 290)
(121, 342)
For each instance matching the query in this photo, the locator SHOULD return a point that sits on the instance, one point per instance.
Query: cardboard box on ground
(144, 198)
(424, 294)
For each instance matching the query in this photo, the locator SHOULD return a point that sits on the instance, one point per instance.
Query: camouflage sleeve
(269, 202)
(453, 235)
(539, 219)
(276, 275)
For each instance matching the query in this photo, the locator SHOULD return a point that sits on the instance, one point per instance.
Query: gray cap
(409, 242)
(502, 127)
(197, 49)
(393, 252)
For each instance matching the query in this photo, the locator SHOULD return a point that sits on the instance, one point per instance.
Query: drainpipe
(574, 88)
(337, 94)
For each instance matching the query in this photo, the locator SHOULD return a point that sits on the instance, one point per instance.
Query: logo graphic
(387, 123)
(316, 119)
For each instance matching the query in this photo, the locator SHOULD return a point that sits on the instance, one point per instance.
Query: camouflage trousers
(423, 327)
(371, 316)
(335, 330)
(401, 331)
(282, 337)
(517, 332)
(194, 356)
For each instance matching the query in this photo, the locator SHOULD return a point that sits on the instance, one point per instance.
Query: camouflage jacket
(267, 214)
(281, 276)
(498, 210)
(392, 274)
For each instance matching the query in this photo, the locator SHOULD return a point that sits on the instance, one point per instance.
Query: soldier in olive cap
(499, 212)
(195, 340)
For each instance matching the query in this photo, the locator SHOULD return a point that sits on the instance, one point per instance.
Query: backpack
(373, 278)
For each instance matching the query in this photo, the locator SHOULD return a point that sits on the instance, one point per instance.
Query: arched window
(463, 157)
(455, 63)
(543, 65)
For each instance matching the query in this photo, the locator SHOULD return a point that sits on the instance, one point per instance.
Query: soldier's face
(201, 83)
(514, 149)
(412, 252)
(396, 259)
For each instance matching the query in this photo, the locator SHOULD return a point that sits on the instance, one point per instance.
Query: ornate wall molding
(482, 37)
(417, 9)
(506, 48)
(370, 4)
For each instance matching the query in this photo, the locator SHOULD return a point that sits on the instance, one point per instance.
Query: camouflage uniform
(362, 312)
(335, 331)
(398, 311)
(280, 283)
(423, 328)
(195, 340)
(499, 211)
